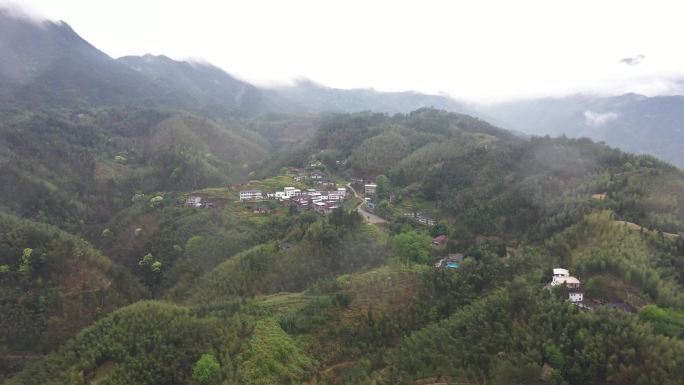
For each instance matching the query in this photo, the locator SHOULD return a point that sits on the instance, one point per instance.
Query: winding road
(361, 208)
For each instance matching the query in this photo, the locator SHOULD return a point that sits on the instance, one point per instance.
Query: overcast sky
(478, 50)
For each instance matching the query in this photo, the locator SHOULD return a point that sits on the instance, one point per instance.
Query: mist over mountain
(632, 122)
(47, 62)
(312, 97)
(200, 83)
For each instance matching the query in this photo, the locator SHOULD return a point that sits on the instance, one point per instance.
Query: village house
(292, 192)
(369, 189)
(325, 183)
(342, 191)
(452, 261)
(316, 176)
(193, 201)
(440, 240)
(299, 178)
(251, 195)
(421, 218)
(427, 221)
(563, 277)
(325, 207)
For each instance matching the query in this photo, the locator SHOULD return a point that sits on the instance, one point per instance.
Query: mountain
(631, 122)
(311, 97)
(288, 297)
(98, 158)
(47, 62)
(200, 83)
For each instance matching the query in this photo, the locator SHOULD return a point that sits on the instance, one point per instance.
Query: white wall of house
(251, 195)
(576, 297)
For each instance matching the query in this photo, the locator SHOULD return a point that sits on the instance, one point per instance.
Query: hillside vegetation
(52, 284)
(112, 273)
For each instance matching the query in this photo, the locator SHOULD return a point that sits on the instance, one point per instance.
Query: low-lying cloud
(598, 119)
(634, 60)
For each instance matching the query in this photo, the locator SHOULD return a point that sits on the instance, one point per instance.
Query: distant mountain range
(631, 122)
(47, 63)
(308, 96)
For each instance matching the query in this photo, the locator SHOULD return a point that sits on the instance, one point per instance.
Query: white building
(342, 191)
(369, 189)
(251, 195)
(563, 277)
(193, 201)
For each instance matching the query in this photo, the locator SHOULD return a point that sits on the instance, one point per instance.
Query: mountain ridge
(632, 122)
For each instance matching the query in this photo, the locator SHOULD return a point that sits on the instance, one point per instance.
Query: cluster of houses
(322, 201)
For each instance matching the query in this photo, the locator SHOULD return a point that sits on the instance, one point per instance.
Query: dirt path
(329, 369)
(438, 381)
(635, 227)
(94, 290)
(361, 208)
(341, 365)
(19, 356)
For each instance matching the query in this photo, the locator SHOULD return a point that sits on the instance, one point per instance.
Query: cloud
(634, 60)
(598, 119)
(14, 11)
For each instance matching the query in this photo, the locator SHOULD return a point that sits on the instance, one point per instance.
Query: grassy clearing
(384, 290)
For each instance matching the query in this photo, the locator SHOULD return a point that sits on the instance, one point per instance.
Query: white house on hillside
(193, 201)
(369, 189)
(563, 277)
(251, 195)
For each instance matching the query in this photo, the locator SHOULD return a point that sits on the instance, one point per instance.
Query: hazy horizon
(550, 50)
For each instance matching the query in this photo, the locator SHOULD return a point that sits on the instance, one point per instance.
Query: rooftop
(440, 238)
(566, 280)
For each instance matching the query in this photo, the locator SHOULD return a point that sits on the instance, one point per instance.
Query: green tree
(383, 189)
(412, 246)
(384, 209)
(207, 370)
(439, 229)
(25, 264)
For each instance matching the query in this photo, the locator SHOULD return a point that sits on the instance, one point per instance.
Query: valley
(163, 222)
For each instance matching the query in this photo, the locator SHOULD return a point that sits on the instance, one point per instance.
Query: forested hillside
(67, 166)
(290, 297)
(52, 284)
